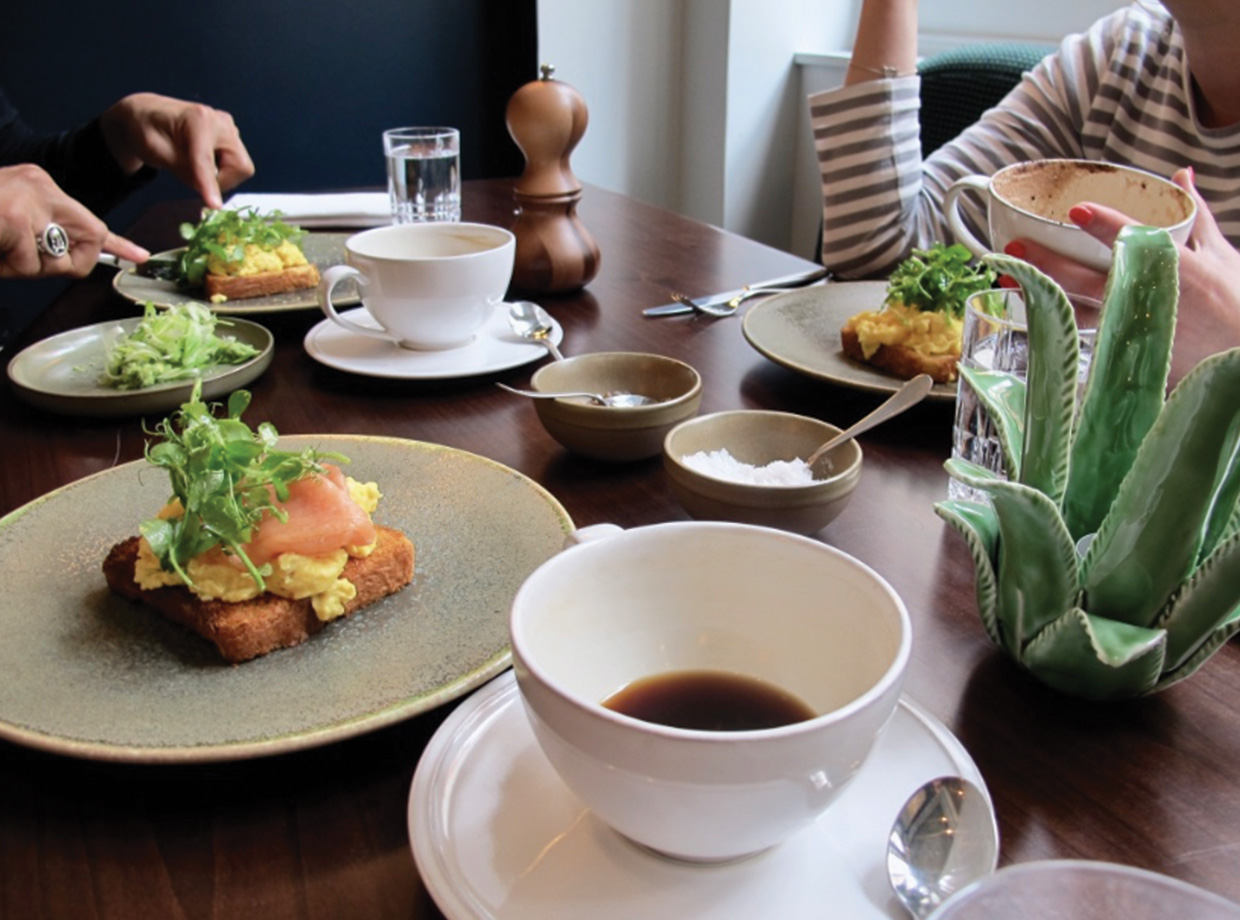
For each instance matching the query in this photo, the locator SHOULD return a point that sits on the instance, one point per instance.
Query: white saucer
(496, 348)
(497, 836)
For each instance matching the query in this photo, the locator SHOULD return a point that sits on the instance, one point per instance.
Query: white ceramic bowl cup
(429, 286)
(629, 604)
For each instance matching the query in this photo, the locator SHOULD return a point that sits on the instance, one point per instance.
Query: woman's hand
(30, 200)
(200, 145)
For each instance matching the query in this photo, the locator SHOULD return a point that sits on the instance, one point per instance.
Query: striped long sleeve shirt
(1120, 92)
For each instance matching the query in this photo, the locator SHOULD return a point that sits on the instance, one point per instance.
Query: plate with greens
(800, 330)
(149, 361)
(324, 249)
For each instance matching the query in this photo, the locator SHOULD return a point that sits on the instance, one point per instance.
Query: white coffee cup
(1031, 201)
(429, 286)
(622, 605)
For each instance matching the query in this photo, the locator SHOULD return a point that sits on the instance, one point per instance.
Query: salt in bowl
(756, 438)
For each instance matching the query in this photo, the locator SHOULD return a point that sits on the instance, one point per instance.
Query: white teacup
(794, 613)
(1031, 201)
(430, 286)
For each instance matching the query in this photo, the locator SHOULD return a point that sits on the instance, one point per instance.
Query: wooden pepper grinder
(555, 253)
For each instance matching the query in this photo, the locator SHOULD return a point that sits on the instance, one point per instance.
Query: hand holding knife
(786, 282)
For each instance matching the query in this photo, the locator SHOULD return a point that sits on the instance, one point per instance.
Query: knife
(786, 282)
(164, 268)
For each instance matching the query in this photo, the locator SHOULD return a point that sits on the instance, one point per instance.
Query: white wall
(697, 105)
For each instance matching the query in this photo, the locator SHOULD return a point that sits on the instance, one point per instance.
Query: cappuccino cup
(1031, 201)
(429, 286)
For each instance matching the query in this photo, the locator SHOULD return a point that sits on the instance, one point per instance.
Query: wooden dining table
(321, 833)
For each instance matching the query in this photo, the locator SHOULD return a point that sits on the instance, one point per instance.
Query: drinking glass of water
(424, 173)
(996, 338)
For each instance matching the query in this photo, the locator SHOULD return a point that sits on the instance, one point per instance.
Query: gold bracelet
(887, 72)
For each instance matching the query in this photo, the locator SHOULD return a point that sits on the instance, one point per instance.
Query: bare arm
(886, 43)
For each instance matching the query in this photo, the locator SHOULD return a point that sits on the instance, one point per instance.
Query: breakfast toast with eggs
(920, 326)
(234, 255)
(260, 284)
(243, 630)
(258, 548)
(901, 360)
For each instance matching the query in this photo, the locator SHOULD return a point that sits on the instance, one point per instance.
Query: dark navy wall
(311, 83)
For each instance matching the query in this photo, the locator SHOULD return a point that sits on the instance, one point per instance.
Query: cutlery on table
(722, 304)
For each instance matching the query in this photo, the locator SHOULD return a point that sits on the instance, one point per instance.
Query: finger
(1099, 221)
(123, 248)
(1069, 274)
(1205, 228)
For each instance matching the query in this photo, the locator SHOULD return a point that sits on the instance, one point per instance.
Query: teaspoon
(616, 400)
(532, 322)
(906, 397)
(943, 839)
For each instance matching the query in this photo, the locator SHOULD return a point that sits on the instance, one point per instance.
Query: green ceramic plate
(60, 374)
(89, 675)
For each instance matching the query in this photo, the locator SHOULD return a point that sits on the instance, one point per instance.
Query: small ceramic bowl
(757, 438)
(616, 434)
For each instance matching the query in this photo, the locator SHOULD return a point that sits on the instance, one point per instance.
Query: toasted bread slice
(900, 360)
(239, 287)
(247, 629)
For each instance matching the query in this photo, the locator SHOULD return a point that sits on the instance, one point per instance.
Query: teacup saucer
(497, 836)
(495, 348)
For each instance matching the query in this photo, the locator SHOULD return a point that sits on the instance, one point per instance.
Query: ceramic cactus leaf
(1095, 658)
(1036, 562)
(1128, 373)
(1225, 515)
(1050, 396)
(1150, 539)
(976, 522)
(1003, 396)
(1205, 651)
(1203, 603)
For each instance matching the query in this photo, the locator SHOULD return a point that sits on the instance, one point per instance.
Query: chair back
(959, 84)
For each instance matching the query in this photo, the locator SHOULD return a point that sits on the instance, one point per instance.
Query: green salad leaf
(225, 233)
(938, 279)
(226, 476)
(168, 345)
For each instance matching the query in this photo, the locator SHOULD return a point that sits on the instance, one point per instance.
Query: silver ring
(53, 241)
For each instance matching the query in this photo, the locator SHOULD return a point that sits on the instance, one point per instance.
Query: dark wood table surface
(321, 833)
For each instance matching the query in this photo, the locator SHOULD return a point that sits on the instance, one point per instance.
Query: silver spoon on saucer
(906, 397)
(532, 322)
(616, 400)
(943, 839)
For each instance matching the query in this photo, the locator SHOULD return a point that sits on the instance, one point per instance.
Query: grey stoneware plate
(323, 249)
(89, 675)
(61, 373)
(800, 330)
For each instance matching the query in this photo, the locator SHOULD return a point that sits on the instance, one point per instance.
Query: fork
(729, 307)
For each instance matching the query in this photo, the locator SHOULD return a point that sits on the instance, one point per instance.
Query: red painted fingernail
(1080, 215)
(1015, 249)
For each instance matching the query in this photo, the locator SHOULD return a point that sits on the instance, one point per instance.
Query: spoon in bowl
(906, 397)
(532, 322)
(616, 400)
(943, 839)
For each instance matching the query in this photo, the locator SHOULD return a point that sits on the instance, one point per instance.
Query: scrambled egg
(928, 333)
(292, 575)
(258, 259)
